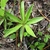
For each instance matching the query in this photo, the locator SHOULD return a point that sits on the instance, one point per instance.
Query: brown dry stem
(46, 47)
(43, 15)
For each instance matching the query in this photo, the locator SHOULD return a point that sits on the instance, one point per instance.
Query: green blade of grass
(3, 3)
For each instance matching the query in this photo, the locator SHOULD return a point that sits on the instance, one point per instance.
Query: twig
(46, 47)
(17, 40)
(43, 15)
(31, 43)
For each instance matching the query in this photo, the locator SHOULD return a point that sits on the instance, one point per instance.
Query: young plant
(37, 46)
(23, 23)
(41, 41)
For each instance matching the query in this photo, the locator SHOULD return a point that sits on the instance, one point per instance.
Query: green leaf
(5, 24)
(13, 36)
(3, 3)
(35, 20)
(39, 39)
(41, 45)
(22, 10)
(1, 12)
(36, 43)
(40, 33)
(1, 21)
(28, 13)
(46, 38)
(29, 30)
(49, 36)
(9, 23)
(26, 34)
(21, 33)
(11, 30)
(32, 47)
(12, 17)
